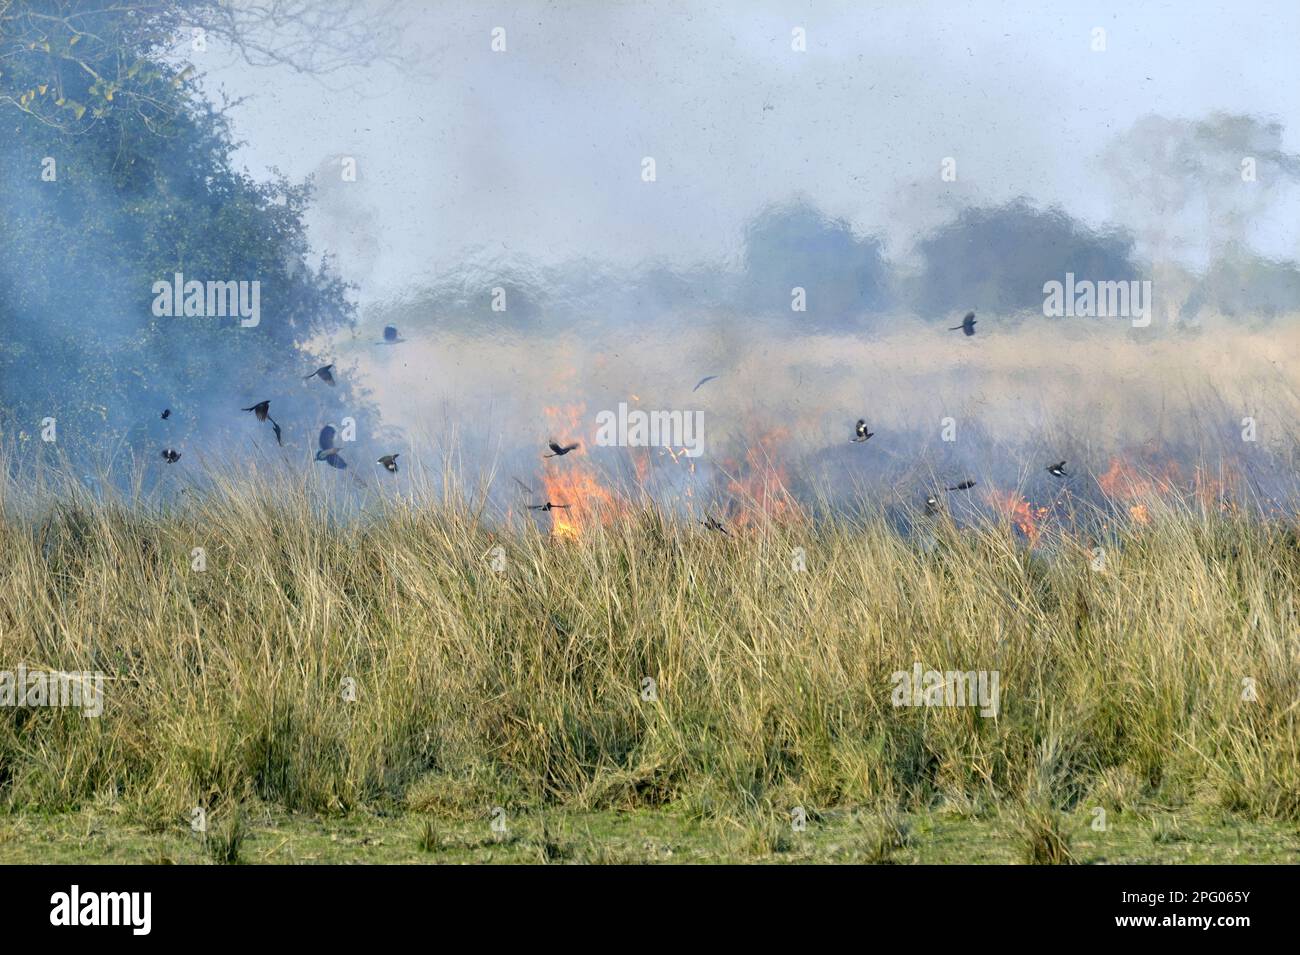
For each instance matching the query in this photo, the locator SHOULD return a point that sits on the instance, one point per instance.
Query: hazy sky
(537, 152)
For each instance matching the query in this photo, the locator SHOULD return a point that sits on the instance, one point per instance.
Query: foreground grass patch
(643, 837)
(413, 655)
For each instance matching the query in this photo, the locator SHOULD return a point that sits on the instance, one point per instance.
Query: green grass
(641, 837)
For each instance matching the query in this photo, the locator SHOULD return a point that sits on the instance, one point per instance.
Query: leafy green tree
(114, 174)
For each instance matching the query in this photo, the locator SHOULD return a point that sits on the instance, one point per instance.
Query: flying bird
(170, 456)
(715, 525)
(262, 411)
(967, 326)
(325, 374)
(548, 506)
(328, 451)
(389, 461)
(561, 451)
(931, 505)
(963, 486)
(1057, 470)
(703, 381)
(860, 429)
(390, 336)
(167, 413)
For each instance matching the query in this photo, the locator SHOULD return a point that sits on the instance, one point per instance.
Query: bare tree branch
(133, 53)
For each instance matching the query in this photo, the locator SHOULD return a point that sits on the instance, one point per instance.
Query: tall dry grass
(477, 688)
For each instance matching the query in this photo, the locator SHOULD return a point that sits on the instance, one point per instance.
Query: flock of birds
(861, 434)
(932, 505)
(329, 451)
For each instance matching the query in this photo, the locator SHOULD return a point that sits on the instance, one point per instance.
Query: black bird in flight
(1057, 470)
(389, 461)
(325, 374)
(262, 411)
(967, 326)
(548, 506)
(170, 456)
(167, 413)
(860, 429)
(703, 381)
(931, 505)
(390, 336)
(328, 452)
(963, 486)
(561, 450)
(715, 525)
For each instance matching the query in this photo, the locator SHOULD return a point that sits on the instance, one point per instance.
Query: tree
(794, 245)
(998, 258)
(115, 174)
(1193, 190)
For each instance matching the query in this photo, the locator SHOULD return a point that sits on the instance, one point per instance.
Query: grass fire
(588, 433)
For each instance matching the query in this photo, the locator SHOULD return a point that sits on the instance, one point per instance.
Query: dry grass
(477, 689)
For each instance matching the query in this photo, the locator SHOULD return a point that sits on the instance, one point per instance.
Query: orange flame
(1135, 488)
(1220, 492)
(758, 485)
(571, 479)
(1023, 515)
(1125, 482)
